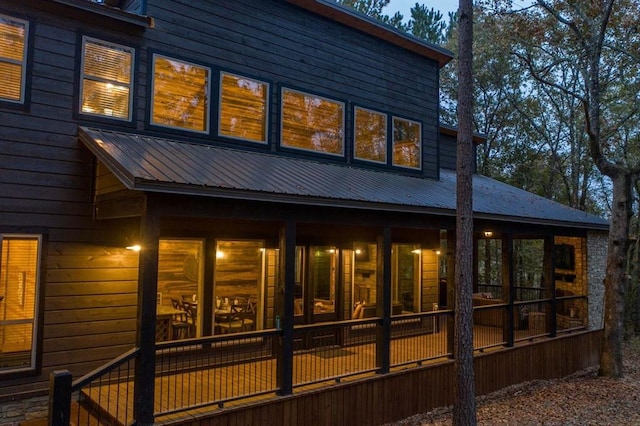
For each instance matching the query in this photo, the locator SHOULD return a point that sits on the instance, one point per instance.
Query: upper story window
(13, 58)
(19, 298)
(243, 108)
(312, 123)
(370, 135)
(107, 71)
(407, 143)
(180, 94)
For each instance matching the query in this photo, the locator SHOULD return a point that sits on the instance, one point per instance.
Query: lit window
(180, 94)
(19, 266)
(243, 108)
(407, 142)
(13, 58)
(312, 123)
(406, 272)
(107, 71)
(370, 135)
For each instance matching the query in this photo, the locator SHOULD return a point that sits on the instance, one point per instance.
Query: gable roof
(146, 163)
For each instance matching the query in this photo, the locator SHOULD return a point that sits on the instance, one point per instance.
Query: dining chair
(239, 319)
(179, 322)
(192, 316)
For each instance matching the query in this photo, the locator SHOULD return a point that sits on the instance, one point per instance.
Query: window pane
(243, 108)
(10, 81)
(18, 288)
(239, 272)
(106, 83)
(105, 99)
(322, 273)
(12, 58)
(370, 135)
(180, 273)
(407, 143)
(312, 123)
(406, 278)
(180, 94)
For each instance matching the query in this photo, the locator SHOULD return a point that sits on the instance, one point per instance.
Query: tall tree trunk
(615, 279)
(464, 408)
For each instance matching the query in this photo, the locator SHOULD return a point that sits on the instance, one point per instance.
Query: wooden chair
(179, 323)
(237, 320)
(192, 317)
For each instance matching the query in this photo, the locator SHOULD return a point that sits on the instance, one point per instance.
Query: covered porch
(249, 294)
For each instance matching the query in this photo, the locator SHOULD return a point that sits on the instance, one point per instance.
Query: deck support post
(59, 398)
(144, 385)
(284, 305)
(383, 302)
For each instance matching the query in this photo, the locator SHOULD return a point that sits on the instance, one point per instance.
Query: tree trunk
(464, 407)
(615, 277)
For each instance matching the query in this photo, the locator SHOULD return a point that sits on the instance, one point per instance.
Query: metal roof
(154, 164)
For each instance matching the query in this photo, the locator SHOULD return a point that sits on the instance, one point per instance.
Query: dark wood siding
(448, 145)
(291, 47)
(89, 280)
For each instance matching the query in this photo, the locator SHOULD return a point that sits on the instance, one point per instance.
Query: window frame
(291, 148)
(25, 63)
(267, 110)
(151, 96)
(391, 146)
(38, 312)
(385, 162)
(82, 76)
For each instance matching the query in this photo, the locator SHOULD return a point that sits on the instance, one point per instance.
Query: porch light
(219, 254)
(416, 251)
(488, 234)
(358, 251)
(135, 247)
(437, 252)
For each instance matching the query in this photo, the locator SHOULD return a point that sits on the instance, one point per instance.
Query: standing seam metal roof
(155, 164)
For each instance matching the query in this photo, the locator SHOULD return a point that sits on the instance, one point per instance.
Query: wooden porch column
(383, 301)
(284, 307)
(508, 287)
(146, 324)
(550, 282)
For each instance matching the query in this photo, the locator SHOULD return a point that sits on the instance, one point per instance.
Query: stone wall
(14, 413)
(596, 265)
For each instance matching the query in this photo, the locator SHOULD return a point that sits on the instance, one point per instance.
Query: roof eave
(368, 25)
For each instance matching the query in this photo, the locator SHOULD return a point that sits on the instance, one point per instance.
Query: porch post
(508, 287)
(550, 282)
(144, 385)
(284, 307)
(383, 301)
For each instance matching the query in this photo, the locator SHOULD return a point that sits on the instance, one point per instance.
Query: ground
(581, 399)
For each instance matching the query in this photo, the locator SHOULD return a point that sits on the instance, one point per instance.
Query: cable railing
(219, 370)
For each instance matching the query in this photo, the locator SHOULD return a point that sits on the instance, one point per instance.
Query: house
(247, 208)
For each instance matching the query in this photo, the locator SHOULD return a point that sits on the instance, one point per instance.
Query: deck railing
(218, 370)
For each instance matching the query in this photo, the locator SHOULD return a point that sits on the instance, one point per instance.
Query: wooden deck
(197, 388)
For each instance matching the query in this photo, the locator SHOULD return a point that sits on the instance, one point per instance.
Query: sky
(404, 7)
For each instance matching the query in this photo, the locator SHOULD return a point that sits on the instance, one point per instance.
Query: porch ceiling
(152, 164)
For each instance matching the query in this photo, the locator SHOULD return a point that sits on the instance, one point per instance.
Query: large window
(180, 94)
(406, 270)
(107, 71)
(238, 286)
(370, 135)
(243, 108)
(13, 58)
(19, 278)
(407, 143)
(312, 123)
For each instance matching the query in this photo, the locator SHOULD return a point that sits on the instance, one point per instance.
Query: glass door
(322, 283)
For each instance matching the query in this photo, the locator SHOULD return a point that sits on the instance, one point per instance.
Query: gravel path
(580, 399)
